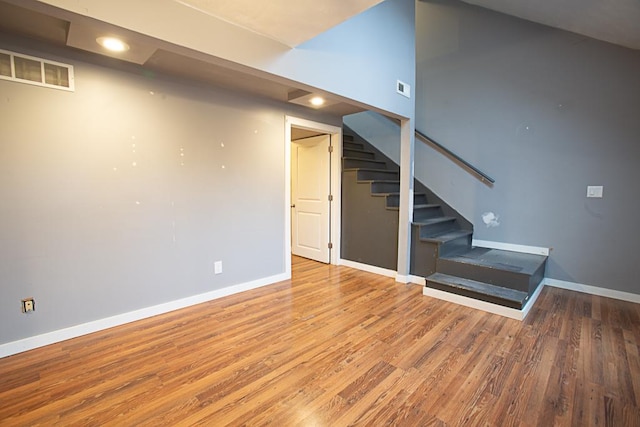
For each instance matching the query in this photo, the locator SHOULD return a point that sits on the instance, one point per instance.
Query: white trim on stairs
(511, 313)
(535, 250)
(30, 343)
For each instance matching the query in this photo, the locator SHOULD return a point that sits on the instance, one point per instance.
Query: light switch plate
(594, 191)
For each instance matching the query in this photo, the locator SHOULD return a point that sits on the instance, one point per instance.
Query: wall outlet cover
(28, 305)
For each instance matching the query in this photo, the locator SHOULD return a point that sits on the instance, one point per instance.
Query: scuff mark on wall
(490, 219)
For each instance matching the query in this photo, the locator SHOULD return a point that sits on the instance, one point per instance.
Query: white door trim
(336, 183)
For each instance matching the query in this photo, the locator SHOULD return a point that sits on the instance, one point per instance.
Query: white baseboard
(418, 280)
(109, 322)
(511, 313)
(409, 278)
(535, 250)
(368, 268)
(403, 278)
(593, 290)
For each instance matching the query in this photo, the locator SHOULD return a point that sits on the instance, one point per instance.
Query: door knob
(293, 206)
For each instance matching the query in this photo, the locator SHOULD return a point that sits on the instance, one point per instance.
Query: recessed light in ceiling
(317, 101)
(113, 44)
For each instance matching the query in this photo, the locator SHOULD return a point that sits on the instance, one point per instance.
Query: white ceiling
(295, 21)
(614, 21)
(291, 22)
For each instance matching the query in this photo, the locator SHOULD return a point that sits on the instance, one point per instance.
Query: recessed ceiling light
(113, 44)
(317, 101)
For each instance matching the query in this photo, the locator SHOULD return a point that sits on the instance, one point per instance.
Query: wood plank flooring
(337, 347)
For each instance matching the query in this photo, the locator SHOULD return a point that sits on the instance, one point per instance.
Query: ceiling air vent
(36, 71)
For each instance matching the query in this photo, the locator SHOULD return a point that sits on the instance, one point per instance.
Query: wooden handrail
(483, 176)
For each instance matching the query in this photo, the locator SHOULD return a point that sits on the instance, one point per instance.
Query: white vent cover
(36, 71)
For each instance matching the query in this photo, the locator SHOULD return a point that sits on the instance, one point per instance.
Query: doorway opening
(312, 190)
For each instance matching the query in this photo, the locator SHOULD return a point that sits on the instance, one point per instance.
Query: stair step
(422, 212)
(451, 242)
(508, 269)
(478, 290)
(357, 153)
(354, 163)
(384, 187)
(377, 174)
(393, 199)
(352, 145)
(346, 137)
(448, 236)
(435, 226)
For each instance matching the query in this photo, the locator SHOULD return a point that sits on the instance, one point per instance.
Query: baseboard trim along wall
(593, 290)
(30, 343)
(368, 268)
(97, 325)
(417, 280)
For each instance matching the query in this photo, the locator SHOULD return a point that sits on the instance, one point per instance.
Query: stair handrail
(483, 176)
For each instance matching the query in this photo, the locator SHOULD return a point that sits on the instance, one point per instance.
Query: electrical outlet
(217, 267)
(28, 304)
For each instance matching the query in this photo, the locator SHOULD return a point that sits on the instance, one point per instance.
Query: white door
(310, 172)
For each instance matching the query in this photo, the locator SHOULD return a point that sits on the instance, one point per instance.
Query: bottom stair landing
(504, 278)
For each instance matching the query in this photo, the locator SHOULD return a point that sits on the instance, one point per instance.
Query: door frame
(335, 134)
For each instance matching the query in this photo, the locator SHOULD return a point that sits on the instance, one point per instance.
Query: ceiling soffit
(290, 22)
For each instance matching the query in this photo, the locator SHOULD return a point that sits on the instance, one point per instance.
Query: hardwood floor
(336, 347)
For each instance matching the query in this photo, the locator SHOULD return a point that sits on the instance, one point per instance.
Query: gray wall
(546, 113)
(382, 133)
(121, 195)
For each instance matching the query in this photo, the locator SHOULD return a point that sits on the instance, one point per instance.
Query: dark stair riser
(360, 154)
(426, 212)
(492, 275)
(485, 292)
(376, 174)
(354, 163)
(436, 226)
(352, 145)
(393, 200)
(384, 187)
(455, 246)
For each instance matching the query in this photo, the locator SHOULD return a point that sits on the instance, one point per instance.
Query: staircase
(441, 249)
